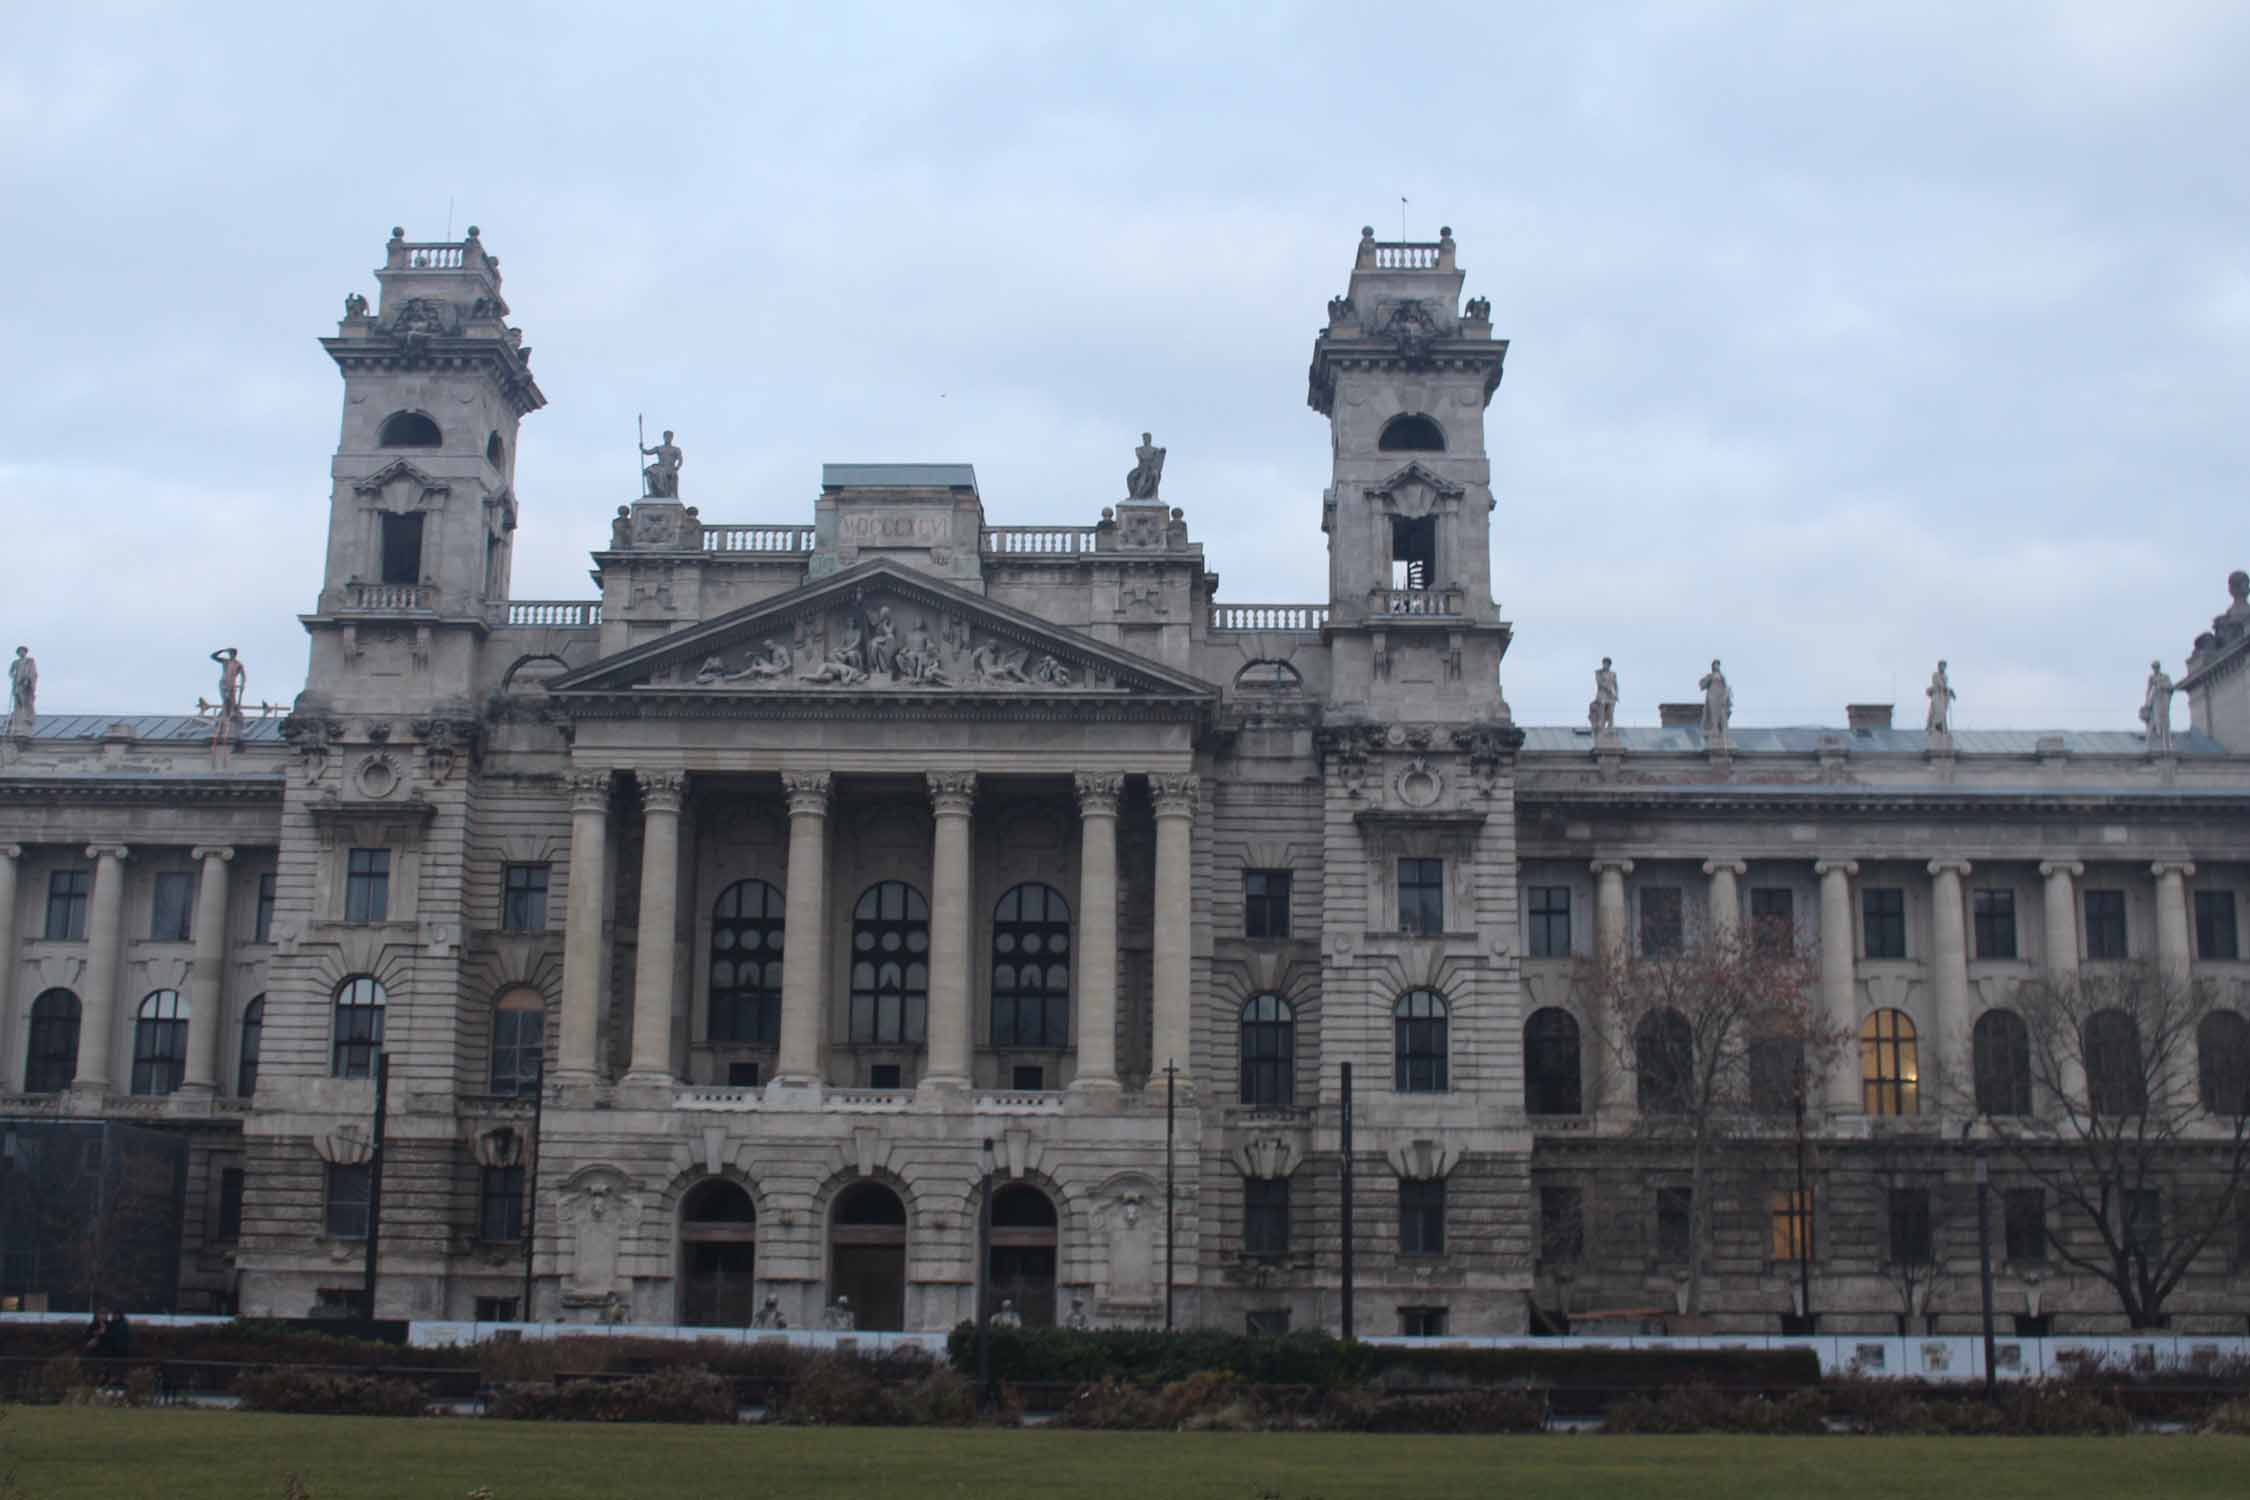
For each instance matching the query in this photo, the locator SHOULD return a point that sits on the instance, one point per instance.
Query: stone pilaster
(10, 1048)
(951, 1025)
(1726, 897)
(1949, 972)
(207, 973)
(1839, 1000)
(656, 960)
(582, 934)
(1097, 932)
(1175, 915)
(105, 923)
(803, 996)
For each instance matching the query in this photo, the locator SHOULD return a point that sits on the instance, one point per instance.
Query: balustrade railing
(1302, 618)
(1418, 601)
(757, 539)
(435, 257)
(568, 613)
(1039, 541)
(1399, 255)
(384, 597)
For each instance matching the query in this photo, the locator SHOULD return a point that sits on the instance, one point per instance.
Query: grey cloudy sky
(1843, 338)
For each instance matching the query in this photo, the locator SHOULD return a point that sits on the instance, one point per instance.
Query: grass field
(65, 1454)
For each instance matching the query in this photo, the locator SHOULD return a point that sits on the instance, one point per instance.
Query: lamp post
(375, 1178)
(1171, 1096)
(531, 1178)
(1345, 1147)
(984, 1262)
(1804, 1216)
(1984, 1257)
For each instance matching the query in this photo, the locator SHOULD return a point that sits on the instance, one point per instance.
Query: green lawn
(61, 1454)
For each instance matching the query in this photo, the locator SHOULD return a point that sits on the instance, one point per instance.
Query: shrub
(1112, 1405)
(841, 1390)
(2230, 1420)
(1520, 1410)
(677, 1395)
(329, 1393)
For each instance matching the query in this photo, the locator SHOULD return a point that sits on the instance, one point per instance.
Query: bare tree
(1720, 1044)
(2126, 1095)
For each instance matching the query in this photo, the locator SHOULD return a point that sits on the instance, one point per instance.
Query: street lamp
(1984, 1254)
(984, 1262)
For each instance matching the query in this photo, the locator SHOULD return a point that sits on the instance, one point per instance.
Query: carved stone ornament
(807, 792)
(1418, 784)
(1489, 748)
(377, 777)
(444, 743)
(1422, 1160)
(1345, 749)
(1098, 793)
(1413, 328)
(1269, 1156)
(953, 791)
(1175, 796)
(345, 1146)
(662, 791)
(498, 1147)
(589, 791)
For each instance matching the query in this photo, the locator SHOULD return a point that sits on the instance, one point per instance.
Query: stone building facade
(813, 871)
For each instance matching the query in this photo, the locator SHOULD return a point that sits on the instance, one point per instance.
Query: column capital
(662, 791)
(2068, 868)
(1605, 866)
(589, 791)
(1097, 793)
(807, 792)
(953, 793)
(2181, 868)
(1827, 867)
(220, 852)
(108, 851)
(1734, 867)
(1960, 867)
(1175, 795)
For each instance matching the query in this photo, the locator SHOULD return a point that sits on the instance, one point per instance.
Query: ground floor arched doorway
(1024, 1248)
(867, 1256)
(718, 1256)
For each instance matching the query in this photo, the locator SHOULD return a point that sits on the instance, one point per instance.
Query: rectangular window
(523, 898)
(2105, 924)
(2025, 1230)
(883, 1075)
(1413, 552)
(367, 885)
(742, 1075)
(1266, 1322)
(1675, 1225)
(1562, 1226)
(172, 910)
(67, 891)
(1421, 1322)
(1994, 913)
(230, 1203)
(1663, 930)
(1265, 1216)
(2142, 1226)
(1028, 1078)
(496, 1309)
(500, 1205)
(1882, 917)
(1549, 907)
(345, 1217)
(2215, 934)
(402, 548)
(1265, 903)
(1421, 1217)
(1911, 1235)
(1421, 896)
(1773, 918)
(261, 930)
(1791, 1215)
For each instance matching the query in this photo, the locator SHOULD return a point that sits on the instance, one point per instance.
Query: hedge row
(1071, 1356)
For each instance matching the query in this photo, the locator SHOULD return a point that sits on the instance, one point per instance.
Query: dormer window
(1412, 433)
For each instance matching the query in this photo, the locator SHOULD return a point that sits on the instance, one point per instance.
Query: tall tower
(1403, 373)
(423, 514)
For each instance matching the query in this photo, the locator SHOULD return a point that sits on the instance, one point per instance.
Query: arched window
(2222, 1047)
(1419, 1024)
(253, 1038)
(2000, 1059)
(160, 1042)
(1411, 433)
(1551, 1063)
(867, 1256)
(53, 1054)
(1021, 1271)
(519, 1041)
(409, 429)
(495, 451)
(1664, 1063)
(717, 1201)
(890, 965)
(718, 1255)
(1269, 1053)
(746, 933)
(1890, 1068)
(1031, 968)
(2115, 1083)
(358, 1027)
(1268, 675)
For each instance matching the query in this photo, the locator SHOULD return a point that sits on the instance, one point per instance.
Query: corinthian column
(2173, 950)
(1726, 897)
(207, 973)
(952, 798)
(803, 1007)
(1609, 906)
(10, 1050)
(656, 963)
(1097, 932)
(1838, 1001)
(1949, 971)
(2062, 967)
(1175, 916)
(105, 924)
(582, 929)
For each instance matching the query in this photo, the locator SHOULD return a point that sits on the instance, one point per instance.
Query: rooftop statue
(1718, 701)
(1147, 472)
(2156, 709)
(663, 476)
(1603, 711)
(23, 686)
(1941, 695)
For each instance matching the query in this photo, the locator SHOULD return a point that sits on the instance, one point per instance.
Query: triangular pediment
(878, 631)
(1415, 476)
